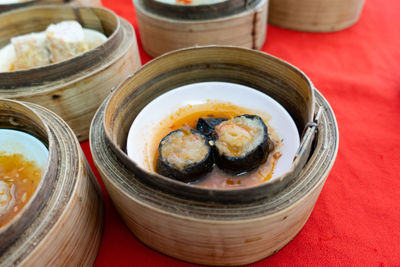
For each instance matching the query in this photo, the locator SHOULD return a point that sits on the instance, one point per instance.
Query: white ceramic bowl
(142, 132)
(17, 142)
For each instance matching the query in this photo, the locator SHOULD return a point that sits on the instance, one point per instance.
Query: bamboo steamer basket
(62, 223)
(207, 226)
(73, 88)
(164, 27)
(315, 15)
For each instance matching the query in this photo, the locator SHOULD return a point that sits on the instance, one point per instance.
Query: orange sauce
(188, 116)
(186, 2)
(22, 177)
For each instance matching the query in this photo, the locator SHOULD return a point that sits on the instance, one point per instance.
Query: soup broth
(19, 179)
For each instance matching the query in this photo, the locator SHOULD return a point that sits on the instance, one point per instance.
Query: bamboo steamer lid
(165, 27)
(63, 221)
(315, 15)
(74, 88)
(206, 226)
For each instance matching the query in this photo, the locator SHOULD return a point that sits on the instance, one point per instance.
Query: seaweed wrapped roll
(184, 155)
(207, 125)
(241, 143)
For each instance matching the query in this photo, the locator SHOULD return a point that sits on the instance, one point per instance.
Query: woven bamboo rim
(315, 15)
(194, 229)
(92, 3)
(8, 7)
(201, 12)
(62, 223)
(74, 88)
(164, 28)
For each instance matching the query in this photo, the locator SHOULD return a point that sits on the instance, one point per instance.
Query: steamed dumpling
(30, 51)
(65, 40)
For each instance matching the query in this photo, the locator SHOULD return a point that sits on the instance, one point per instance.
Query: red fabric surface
(356, 220)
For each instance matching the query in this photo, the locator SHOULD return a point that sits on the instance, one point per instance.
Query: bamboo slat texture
(62, 223)
(315, 15)
(10, 6)
(165, 28)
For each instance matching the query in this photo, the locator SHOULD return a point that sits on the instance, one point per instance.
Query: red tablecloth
(356, 220)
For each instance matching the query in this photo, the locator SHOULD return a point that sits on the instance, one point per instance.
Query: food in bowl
(202, 106)
(237, 146)
(19, 179)
(241, 143)
(59, 42)
(235, 151)
(23, 160)
(185, 155)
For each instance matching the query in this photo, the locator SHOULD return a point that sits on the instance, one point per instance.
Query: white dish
(142, 132)
(7, 54)
(17, 142)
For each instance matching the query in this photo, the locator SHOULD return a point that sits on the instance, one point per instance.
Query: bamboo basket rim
(72, 62)
(17, 3)
(196, 21)
(245, 191)
(10, 6)
(199, 12)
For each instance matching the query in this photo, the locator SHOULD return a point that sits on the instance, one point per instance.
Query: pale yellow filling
(30, 51)
(65, 40)
(183, 148)
(238, 136)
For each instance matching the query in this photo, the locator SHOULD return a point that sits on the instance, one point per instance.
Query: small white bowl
(17, 142)
(142, 132)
